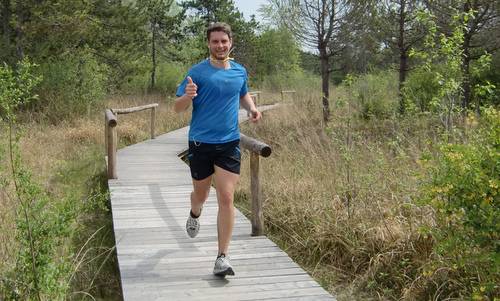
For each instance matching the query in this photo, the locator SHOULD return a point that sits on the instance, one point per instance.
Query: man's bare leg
(199, 195)
(225, 183)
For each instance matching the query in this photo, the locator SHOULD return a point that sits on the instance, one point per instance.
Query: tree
(481, 18)
(277, 52)
(163, 24)
(402, 32)
(323, 25)
(244, 36)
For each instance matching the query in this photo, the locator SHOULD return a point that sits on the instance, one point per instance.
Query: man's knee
(200, 194)
(225, 199)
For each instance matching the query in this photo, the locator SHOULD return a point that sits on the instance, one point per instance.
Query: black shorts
(203, 156)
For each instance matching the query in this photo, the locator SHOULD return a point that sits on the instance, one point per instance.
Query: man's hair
(219, 26)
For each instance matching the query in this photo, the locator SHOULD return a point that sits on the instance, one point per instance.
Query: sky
(249, 7)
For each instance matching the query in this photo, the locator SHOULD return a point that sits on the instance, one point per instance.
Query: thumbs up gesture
(191, 88)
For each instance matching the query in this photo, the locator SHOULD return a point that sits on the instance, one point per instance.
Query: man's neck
(221, 64)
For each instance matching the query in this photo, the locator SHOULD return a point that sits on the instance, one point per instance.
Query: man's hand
(191, 88)
(255, 115)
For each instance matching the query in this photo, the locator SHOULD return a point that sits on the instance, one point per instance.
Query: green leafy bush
(40, 268)
(463, 189)
(419, 91)
(168, 76)
(375, 94)
(16, 87)
(74, 83)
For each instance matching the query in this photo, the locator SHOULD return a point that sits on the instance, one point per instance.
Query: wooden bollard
(257, 215)
(153, 118)
(256, 149)
(111, 143)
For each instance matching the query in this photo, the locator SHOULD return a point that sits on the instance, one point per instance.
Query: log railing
(257, 149)
(111, 139)
(255, 96)
(283, 92)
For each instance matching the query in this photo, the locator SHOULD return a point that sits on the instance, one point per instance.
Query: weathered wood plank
(158, 261)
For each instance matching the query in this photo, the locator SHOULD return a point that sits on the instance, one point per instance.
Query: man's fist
(191, 88)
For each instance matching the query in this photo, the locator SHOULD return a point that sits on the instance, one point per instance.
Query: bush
(419, 90)
(168, 76)
(73, 84)
(375, 94)
(286, 81)
(463, 189)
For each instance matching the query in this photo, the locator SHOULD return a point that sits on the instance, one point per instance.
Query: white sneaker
(193, 225)
(223, 266)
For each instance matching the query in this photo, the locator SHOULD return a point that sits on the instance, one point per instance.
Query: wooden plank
(158, 261)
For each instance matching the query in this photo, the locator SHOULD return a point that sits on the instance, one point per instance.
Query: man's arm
(183, 102)
(247, 103)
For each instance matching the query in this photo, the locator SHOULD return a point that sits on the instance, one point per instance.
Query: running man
(216, 87)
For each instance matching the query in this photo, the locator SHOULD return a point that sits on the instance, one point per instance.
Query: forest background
(386, 174)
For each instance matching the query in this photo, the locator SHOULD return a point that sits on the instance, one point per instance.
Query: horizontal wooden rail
(255, 95)
(110, 135)
(257, 149)
(283, 92)
(255, 145)
(135, 109)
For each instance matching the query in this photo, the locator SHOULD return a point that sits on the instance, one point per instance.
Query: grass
(67, 159)
(341, 201)
(340, 198)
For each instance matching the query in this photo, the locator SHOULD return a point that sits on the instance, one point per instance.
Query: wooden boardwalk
(158, 261)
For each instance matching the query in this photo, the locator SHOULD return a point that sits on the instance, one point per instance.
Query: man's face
(219, 44)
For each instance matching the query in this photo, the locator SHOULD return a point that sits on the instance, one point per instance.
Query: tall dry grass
(339, 198)
(67, 159)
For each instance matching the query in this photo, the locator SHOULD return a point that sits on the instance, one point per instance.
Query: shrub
(73, 84)
(168, 76)
(463, 189)
(375, 94)
(419, 90)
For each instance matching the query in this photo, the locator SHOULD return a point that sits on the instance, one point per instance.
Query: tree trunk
(403, 56)
(325, 79)
(466, 82)
(6, 16)
(153, 55)
(21, 18)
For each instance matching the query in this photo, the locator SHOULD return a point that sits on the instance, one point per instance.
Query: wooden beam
(257, 215)
(254, 145)
(134, 109)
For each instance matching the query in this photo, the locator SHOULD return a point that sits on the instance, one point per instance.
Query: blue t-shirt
(215, 108)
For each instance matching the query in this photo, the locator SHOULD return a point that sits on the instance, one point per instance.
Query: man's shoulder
(199, 66)
(237, 65)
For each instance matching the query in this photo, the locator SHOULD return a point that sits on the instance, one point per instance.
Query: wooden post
(111, 143)
(112, 153)
(153, 118)
(282, 97)
(105, 132)
(257, 215)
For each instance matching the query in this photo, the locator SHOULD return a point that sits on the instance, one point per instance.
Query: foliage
(463, 188)
(420, 90)
(445, 50)
(436, 85)
(169, 75)
(163, 20)
(74, 83)
(209, 11)
(16, 88)
(277, 52)
(375, 94)
(41, 224)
